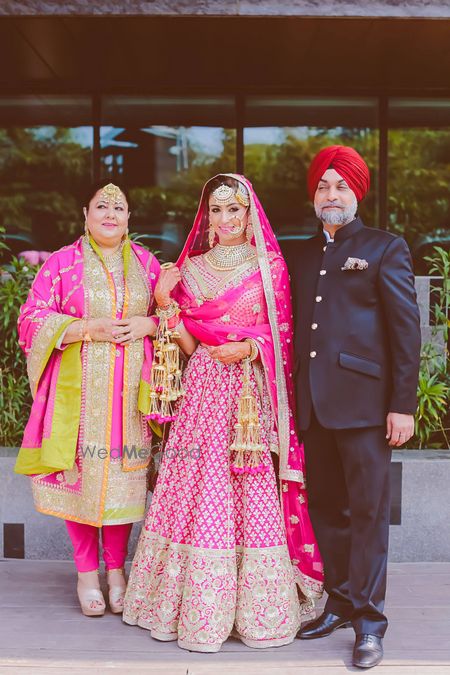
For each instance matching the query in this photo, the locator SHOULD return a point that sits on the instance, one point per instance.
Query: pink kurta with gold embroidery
(103, 479)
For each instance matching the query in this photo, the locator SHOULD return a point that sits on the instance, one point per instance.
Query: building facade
(159, 96)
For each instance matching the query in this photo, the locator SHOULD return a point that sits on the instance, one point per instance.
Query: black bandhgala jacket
(357, 331)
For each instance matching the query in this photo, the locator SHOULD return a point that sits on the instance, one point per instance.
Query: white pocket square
(355, 264)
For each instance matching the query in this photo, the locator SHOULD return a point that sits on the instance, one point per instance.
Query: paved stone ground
(43, 631)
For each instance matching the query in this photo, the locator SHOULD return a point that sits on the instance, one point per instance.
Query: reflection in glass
(419, 174)
(282, 136)
(45, 167)
(151, 148)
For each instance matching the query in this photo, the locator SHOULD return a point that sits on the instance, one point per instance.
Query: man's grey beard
(340, 216)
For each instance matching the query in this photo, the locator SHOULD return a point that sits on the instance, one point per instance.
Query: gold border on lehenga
(168, 569)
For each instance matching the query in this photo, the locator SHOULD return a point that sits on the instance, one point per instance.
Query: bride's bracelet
(254, 352)
(174, 322)
(169, 311)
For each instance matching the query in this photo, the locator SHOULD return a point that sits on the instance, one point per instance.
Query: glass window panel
(419, 174)
(310, 112)
(45, 167)
(64, 111)
(218, 111)
(163, 150)
(281, 137)
(419, 112)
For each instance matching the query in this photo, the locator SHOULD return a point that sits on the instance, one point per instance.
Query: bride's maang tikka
(225, 194)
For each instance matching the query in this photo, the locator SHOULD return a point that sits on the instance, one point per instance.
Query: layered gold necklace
(114, 260)
(226, 258)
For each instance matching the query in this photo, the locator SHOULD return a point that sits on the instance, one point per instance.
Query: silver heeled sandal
(91, 598)
(117, 588)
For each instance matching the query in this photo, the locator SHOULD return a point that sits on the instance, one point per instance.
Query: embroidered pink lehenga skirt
(212, 558)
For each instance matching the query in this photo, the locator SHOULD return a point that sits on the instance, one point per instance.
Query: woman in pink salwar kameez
(227, 547)
(83, 329)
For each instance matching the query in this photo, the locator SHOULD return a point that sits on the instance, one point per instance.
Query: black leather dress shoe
(368, 651)
(324, 625)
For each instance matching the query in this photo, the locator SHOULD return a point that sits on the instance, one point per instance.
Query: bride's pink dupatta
(275, 342)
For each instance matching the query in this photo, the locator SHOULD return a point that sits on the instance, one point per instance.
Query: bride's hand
(230, 352)
(167, 281)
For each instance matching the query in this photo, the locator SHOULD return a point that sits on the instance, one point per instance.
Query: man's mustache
(339, 206)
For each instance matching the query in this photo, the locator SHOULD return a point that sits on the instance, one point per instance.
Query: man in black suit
(357, 351)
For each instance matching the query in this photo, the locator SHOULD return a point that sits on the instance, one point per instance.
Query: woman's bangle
(86, 337)
(174, 321)
(254, 352)
(171, 310)
(164, 305)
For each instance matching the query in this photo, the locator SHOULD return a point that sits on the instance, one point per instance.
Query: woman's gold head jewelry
(225, 194)
(112, 193)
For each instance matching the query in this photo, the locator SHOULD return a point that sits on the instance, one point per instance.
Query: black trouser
(348, 481)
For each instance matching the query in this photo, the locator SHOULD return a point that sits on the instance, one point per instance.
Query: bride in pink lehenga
(226, 547)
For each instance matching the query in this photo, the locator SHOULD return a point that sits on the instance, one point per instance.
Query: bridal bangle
(169, 311)
(254, 352)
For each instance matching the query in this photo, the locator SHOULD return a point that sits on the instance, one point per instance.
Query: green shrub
(15, 396)
(431, 430)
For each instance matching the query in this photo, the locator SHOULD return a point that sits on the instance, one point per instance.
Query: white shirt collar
(328, 236)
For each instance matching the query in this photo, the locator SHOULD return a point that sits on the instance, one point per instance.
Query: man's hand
(399, 428)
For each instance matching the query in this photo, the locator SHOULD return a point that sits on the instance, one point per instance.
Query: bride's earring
(249, 231)
(86, 229)
(211, 236)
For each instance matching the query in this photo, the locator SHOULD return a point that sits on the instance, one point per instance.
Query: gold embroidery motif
(69, 295)
(40, 344)
(174, 587)
(210, 290)
(135, 427)
(70, 476)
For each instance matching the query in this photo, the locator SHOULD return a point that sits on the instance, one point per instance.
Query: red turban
(347, 162)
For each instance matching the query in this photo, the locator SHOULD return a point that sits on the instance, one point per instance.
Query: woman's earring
(249, 231)
(86, 229)
(211, 236)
